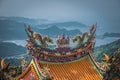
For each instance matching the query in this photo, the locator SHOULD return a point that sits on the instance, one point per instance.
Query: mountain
(67, 25)
(108, 48)
(54, 30)
(26, 20)
(111, 35)
(108, 35)
(44, 23)
(11, 49)
(10, 29)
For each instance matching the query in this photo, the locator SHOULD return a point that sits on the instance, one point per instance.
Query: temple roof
(83, 69)
(64, 64)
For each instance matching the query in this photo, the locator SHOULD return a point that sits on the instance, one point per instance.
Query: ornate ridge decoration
(38, 46)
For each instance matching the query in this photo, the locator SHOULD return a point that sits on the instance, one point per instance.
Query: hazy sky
(105, 12)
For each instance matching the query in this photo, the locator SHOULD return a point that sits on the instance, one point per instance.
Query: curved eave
(34, 65)
(89, 56)
(77, 66)
(94, 63)
(92, 60)
(32, 68)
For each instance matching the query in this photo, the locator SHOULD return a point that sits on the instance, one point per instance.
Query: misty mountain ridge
(11, 30)
(9, 27)
(111, 35)
(14, 30)
(44, 23)
(70, 24)
(54, 30)
(26, 20)
(108, 35)
(10, 49)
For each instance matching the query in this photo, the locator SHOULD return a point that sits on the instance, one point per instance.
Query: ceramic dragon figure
(43, 40)
(85, 37)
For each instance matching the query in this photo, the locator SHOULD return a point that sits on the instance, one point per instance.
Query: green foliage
(108, 48)
(112, 69)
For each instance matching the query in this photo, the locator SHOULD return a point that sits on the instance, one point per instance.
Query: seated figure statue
(62, 43)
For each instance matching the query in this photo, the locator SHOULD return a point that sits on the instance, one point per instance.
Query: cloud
(105, 12)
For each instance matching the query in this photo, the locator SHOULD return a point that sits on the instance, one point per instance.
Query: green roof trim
(91, 61)
(45, 62)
